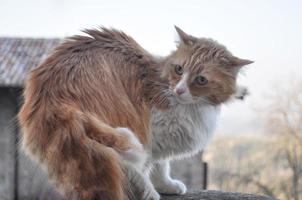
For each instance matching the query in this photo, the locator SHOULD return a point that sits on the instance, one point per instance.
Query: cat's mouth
(184, 98)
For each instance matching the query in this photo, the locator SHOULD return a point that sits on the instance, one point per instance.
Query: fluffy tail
(79, 151)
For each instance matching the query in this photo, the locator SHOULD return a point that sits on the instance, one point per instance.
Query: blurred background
(258, 143)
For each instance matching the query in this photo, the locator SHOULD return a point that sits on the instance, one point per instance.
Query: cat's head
(201, 70)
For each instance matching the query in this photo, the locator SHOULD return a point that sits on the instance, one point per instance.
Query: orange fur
(74, 100)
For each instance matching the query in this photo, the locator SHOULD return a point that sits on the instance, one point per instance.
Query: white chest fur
(182, 130)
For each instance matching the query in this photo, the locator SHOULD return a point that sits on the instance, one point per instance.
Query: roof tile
(19, 55)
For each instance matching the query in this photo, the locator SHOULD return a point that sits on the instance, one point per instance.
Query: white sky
(266, 31)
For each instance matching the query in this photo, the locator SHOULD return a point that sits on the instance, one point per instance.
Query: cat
(98, 110)
(201, 76)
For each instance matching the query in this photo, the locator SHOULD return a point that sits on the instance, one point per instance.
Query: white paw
(172, 187)
(137, 155)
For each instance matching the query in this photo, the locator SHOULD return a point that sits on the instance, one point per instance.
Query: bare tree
(284, 120)
(270, 165)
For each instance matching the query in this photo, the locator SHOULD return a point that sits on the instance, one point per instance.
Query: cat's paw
(172, 187)
(135, 155)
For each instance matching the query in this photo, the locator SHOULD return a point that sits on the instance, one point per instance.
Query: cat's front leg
(163, 183)
(139, 186)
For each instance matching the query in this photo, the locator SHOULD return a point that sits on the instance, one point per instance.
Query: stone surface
(215, 195)
(52, 194)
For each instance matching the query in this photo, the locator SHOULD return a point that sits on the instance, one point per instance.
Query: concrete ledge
(215, 195)
(52, 194)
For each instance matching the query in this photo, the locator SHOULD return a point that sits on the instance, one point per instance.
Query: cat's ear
(239, 62)
(235, 62)
(184, 37)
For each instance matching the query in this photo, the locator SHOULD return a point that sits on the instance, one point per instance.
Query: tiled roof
(19, 55)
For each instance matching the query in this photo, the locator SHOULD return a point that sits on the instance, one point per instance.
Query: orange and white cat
(100, 111)
(201, 76)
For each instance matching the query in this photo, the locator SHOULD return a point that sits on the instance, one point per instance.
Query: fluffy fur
(201, 76)
(74, 101)
(101, 105)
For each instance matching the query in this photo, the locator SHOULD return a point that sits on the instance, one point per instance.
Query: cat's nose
(179, 91)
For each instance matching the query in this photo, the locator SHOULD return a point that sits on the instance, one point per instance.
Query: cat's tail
(81, 153)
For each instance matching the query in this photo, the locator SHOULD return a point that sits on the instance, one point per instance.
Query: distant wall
(7, 145)
(20, 178)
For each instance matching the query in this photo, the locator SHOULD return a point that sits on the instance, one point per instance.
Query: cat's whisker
(162, 96)
(157, 82)
(154, 99)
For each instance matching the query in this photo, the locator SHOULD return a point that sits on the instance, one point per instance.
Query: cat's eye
(201, 80)
(179, 70)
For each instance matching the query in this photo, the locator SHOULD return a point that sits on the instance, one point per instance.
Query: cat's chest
(183, 128)
(196, 118)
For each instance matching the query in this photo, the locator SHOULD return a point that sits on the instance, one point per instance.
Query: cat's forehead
(204, 50)
(209, 49)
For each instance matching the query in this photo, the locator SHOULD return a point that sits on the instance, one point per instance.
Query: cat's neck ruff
(183, 129)
(200, 103)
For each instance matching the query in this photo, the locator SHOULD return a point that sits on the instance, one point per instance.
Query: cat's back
(100, 50)
(98, 73)
(105, 62)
